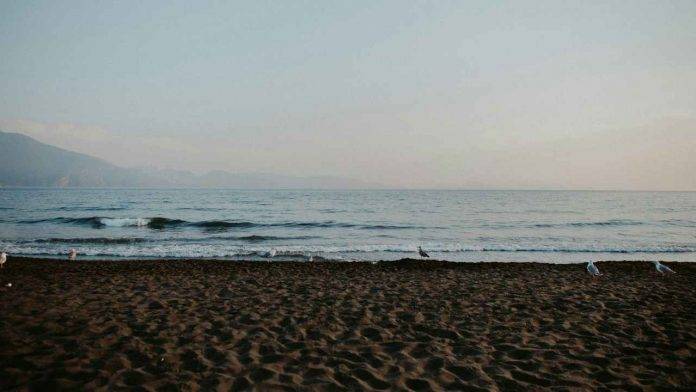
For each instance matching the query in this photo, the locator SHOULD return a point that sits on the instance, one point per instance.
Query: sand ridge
(407, 325)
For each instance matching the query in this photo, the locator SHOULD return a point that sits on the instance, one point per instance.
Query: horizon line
(494, 189)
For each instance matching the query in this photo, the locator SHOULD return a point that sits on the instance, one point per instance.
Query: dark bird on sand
(422, 253)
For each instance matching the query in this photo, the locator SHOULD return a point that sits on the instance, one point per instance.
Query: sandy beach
(408, 325)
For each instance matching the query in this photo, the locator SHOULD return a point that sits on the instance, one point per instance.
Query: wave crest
(212, 225)
(610, 222)
(93, 240)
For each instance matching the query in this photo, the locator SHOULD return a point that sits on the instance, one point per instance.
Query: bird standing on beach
(661, 268)
(72, 255)
(272, 253)
(3, 259)
(422, 253)
(592, 269)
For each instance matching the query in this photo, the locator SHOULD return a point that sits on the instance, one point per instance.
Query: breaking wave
(126, 247)
(137, 240)
(163, 223)
(264, 238)
(94, 240)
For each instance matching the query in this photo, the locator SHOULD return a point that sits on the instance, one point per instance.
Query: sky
(408, 94)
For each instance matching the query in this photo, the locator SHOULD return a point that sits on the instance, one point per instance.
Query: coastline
(408, 324)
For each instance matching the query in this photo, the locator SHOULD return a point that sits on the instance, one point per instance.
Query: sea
(349, 225)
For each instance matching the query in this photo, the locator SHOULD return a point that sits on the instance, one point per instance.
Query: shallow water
(550, 226)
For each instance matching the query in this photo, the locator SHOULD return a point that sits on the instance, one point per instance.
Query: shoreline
(408, 324)
(320, 260)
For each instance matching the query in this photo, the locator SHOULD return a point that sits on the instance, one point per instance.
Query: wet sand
(409, 325)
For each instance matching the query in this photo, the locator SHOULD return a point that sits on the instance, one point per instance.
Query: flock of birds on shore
(591, 268)
(661, 268)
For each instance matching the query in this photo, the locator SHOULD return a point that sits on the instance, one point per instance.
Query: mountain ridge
(25, 161)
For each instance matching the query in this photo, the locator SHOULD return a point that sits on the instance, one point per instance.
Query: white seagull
(272, 253)
(72, 255)
(592, 269)
(3, 259)
(422, 253)
(661, 268)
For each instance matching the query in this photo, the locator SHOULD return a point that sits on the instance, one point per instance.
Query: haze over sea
(547, 226)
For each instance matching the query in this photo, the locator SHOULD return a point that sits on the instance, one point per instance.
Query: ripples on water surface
(554, 226)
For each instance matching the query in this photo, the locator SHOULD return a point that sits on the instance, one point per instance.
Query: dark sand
(206, 325)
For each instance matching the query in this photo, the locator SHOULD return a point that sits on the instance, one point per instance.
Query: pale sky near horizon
(454, 94)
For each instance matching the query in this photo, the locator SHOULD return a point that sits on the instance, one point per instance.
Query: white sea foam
(454, 252)
(124, 222)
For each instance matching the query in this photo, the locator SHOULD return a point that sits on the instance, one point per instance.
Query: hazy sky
(577, 94)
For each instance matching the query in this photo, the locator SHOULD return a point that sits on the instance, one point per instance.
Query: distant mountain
(27, 162)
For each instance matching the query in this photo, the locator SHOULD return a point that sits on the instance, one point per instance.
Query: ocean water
(546, 226)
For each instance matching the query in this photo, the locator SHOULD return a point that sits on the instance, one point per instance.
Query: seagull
(272, 253)
(422, 253)
(3, 259)
(311, 258)
(661, 268)
(592, 269)
(72, 255)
